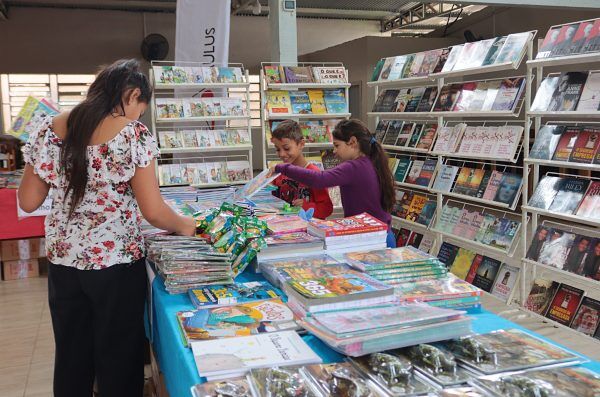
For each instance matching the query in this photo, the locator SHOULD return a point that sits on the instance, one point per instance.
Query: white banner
(202, 31)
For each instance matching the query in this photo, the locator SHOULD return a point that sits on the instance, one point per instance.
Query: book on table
(232, 294)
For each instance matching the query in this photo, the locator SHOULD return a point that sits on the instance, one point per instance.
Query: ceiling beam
(420, 13)
(577, 4)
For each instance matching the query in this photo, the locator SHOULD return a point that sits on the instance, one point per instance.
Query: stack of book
(290, 245)
(188, 262)
(280, 271)
(397, 265)
(355, 232)
(569, 91)
(450, 293)
(568, 195)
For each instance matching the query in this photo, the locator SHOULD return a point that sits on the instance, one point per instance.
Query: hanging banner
(202, 31)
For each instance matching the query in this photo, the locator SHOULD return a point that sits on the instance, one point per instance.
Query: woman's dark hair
(369, 146)
(107, 95)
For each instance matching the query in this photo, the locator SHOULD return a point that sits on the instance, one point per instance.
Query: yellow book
(393, 163)
(278, 102)
(317, 101)
(462, 263)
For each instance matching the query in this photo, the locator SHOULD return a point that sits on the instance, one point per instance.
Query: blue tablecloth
(177, 362)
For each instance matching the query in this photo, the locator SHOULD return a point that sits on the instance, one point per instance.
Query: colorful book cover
(404, 203)
(447, 99)
(592, 43)
(169, 139)
(462, 263)
(427, 100)
(443, 222)
(330, 74)
(447, 253)
(272, 74)
(427, 213)
(300, 102)
(415, 171)
(509, 188)
(513, 49)
(350, 283)
(505, 281)
(540, 296)
(590, 96)
(406, 69)
(445, 178)
(492, 54)
(569, 195)
(567, 93)
(564, 304)
(484, 184)
(427, 136)
(487, 226)
(473, 270)
(566, 143)
(297, 74)
(358, 224)
(462, 226)
(544, 94)
(509, 94)
(405, 134)
(546, 141)
(468, 181)
(549, 43)
(416, 206)
(317, 101)
(416, 94)
(402, 169)
(486, 273)
(227, 295)
(502, 233)
(239, 320)
(335, 101)
(590, 205)
(564, 40)
(427, 170)
(588, 316)
(415, 65)
(278, 102)
(542, 234)
(586, 145)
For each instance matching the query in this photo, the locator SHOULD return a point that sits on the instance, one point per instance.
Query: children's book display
(202, 138)
(313, 131)
(204, 173)
(306, 102)
(496, 51)
(277, 74)
(173, 108)
(174, 75)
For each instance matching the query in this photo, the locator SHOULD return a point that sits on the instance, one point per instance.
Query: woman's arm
(32, 190)
(337, 176)
(153, 207)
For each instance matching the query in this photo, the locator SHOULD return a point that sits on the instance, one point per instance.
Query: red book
(565, 304)
(358, 224)
(566, 144)
(473, 270)
(586, 145)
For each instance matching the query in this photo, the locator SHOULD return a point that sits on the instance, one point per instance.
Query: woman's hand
(188, 226)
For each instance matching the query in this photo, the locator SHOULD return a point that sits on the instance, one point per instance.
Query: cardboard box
(24, 268)
(12, 250)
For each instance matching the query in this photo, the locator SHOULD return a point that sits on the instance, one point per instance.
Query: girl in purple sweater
(364, 176)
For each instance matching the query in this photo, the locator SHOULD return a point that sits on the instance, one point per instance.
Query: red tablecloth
(10, 226)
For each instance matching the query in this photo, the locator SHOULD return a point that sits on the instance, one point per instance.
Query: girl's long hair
(369, 146)
(107, 95)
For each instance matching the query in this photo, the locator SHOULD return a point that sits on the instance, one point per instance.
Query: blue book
(300, 102)
(232, 294)
(335, 101)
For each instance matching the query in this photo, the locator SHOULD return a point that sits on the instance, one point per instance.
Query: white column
(284, 40)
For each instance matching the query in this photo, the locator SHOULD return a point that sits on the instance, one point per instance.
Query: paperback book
(590, 96)
(546, 141)
(505, 281)
(564, 304)
(544, 94)
(462, 263)
(590, 205)
(226, 295)
(569, 195)
(568, 91)
(486, 273)
(445, 178)
(541, 295)
(586, 145)
(587, 318)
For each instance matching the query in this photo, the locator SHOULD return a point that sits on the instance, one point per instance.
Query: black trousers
(98, 322)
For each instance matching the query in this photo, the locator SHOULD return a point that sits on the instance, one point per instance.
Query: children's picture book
(569, 195)
(300, 102)
(505, 281)
(317, 101)
(590, 205)
(587, 318)
(169, 140)
(541, 295)
(568, 91)
(546, 141)
(253, 186)
(564, 304)
(232, 356)
(513, 49)
(272, 74)
(297, 74)
(278, 102)
(445, 178)
(590, 96)
(586, 145)
(330, 74)
(486, 273)
(462, 263)
(238, 320)
(544, 94)
(335, 101)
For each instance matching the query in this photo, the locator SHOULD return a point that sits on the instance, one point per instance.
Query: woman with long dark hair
(99, 162)
(364, 176)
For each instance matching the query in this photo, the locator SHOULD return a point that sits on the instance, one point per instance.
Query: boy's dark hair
(289, 129)
(368, 145)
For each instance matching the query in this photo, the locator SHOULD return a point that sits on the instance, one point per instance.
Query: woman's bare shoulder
(59, 124)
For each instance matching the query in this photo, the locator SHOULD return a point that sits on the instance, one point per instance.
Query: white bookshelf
(532, 175)
(211, 154)
(515, 116)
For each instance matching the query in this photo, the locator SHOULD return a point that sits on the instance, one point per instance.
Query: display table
(10, 226)
(176, 362)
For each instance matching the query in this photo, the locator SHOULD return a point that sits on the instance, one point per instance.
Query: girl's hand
(298, 202)
(188, 226)
(271, 172)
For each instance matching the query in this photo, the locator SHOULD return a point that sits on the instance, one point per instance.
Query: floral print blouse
(104, 229)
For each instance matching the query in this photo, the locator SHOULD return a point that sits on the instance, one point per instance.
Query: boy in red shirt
(289, 142)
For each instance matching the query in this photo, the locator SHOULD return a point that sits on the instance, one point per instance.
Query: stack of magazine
(450, 293)
(188, 262)
(397, 265)
(280, 271)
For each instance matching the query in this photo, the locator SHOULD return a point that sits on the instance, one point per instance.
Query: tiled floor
(27, 345)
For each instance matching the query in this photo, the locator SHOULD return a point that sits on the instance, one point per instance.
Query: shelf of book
(564, 164)
(308, 86)
(479, 247)
(300, 116)
(481, 114)
(566, 217)
(405, 149)
(477, 200)
(417, 227)
(501, 67)
(413, 186)
(579, 59)
(197, 86)
(585, 280)
(402, 115)
(200, 119)
(206, 149)
(407, 82)
(460, 156)
(571, 115)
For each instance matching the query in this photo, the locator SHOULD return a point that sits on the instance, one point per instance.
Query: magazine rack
(540, 67)
(187, 154)
(516, 116)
